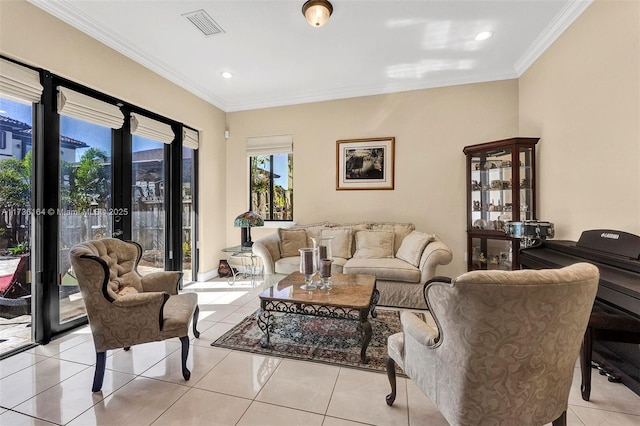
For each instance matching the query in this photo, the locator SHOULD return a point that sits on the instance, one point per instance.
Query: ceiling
(366, 48)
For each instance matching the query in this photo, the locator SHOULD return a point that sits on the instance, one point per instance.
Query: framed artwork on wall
(365, 163)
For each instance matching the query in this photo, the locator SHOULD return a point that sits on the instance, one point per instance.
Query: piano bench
(609, 324)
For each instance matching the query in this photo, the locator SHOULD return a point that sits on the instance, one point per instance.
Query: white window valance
(19, 83)
(269, 145)
(151, 129)
(86, 108)
(190, 138)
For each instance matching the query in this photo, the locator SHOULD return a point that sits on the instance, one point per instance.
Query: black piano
(617, 256)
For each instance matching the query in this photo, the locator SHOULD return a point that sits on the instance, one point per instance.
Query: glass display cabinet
(501, 187)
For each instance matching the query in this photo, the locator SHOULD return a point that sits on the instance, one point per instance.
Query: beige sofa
(401, 258)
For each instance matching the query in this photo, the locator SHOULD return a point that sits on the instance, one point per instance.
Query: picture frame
(365, 163)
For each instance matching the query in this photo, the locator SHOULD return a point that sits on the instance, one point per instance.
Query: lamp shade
(248, 220)
(317, 12)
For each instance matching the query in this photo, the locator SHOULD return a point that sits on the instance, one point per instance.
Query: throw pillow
(374, 245)
(292, 240)
(400, 230)
(341, 243)
(412, 247)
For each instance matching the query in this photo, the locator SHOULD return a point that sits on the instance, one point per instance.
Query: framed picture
(365, 163)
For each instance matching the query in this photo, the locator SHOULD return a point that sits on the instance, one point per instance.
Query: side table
(246, 264)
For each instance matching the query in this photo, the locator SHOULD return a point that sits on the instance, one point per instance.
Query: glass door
(16, 219)
(188, 215)
(85, 200)
(148, 204)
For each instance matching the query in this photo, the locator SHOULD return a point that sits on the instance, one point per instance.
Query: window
(271, 178)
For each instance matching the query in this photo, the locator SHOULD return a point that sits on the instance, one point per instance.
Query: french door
(78, 165)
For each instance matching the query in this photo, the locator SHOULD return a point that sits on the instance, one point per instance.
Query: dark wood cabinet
(501, 187)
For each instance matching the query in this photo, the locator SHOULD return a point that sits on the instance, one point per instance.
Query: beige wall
(582, 97)
(37, 38)
(430, 126)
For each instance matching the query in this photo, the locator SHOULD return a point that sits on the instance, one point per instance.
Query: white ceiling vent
(204, 22)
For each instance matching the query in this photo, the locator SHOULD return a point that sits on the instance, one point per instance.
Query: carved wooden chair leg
(185, 353)
(585, 365)
(195, 322)
(391, 374)
(561, 421)
(98, 377)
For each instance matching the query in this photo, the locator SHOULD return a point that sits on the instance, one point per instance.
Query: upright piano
(617, 256)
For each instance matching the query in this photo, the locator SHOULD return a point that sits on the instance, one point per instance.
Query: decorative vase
(308, 267)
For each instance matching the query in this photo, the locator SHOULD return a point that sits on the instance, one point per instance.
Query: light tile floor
(52, 384)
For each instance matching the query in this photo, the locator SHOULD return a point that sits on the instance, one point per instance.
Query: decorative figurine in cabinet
(501, 187)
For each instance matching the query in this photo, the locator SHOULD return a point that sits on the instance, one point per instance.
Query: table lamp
(246, 221)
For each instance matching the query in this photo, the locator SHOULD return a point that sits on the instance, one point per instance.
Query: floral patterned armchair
(502, 348)
(125, 308)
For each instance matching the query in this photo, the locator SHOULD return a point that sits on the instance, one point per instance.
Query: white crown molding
(371, 91)
(562, 21)
(65, 11)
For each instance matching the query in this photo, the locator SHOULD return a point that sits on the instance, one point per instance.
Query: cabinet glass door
(487, 253)
(526, 183)
(491, 190)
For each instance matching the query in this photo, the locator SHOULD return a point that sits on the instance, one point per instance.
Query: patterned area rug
(325, 340)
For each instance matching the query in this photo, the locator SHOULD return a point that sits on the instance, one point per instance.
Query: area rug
(325, 340)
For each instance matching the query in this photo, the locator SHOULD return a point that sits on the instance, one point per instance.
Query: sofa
(401, 258)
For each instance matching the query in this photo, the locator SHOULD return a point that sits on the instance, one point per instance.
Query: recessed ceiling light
(227, 74)
(484, 35)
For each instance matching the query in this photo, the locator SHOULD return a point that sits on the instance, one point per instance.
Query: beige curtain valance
(19, 83)
(151, 129)
(269, 145)
(86, 108)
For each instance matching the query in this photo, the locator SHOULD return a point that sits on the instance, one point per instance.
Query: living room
(581, 97)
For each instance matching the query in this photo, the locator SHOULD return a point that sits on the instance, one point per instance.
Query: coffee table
(353, 296)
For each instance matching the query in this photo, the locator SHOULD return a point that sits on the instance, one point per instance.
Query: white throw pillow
(341, 243)
(412, 247)
(374, 245)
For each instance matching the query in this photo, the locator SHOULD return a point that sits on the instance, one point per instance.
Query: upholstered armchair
(503, 347)
(125, 308)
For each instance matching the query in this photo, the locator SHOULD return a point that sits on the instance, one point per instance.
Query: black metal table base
(264, 315)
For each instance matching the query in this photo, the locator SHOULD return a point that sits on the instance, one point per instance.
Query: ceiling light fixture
(317, 12)
(227, 74)
(484, 35)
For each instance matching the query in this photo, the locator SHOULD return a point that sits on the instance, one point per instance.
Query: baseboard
(206, 276)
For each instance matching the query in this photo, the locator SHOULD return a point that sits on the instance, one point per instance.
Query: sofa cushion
(292, 240)
(355, 226)
(412, 247)
(384, 269)
(374, 245)
(288, 265)
(400, 230)
(313, 230)
(341, 243)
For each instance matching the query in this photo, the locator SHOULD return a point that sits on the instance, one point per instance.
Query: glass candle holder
(323, 245)
(308, 267)
(325, 273)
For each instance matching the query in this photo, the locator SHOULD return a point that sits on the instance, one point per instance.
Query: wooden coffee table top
(348, 290)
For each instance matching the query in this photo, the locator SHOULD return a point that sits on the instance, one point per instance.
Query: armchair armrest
(166, 281)
(139, 299)
(435, 253)
(267, 249)
(419, 330)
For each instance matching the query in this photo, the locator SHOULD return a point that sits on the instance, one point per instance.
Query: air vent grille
(204, 22)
